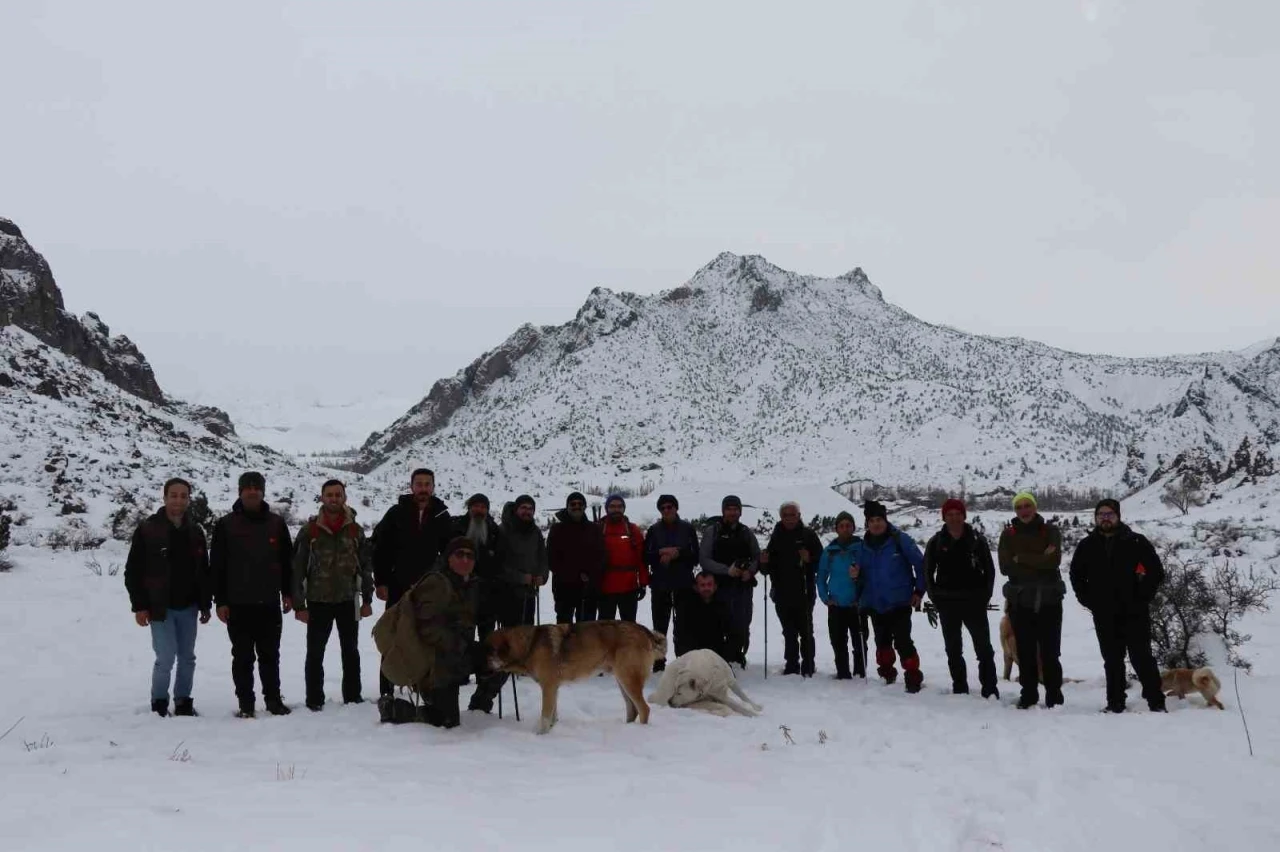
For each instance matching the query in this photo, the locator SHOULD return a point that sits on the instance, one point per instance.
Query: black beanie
(1110, 504)
(477, 498)
(525, 498)
(459, 543)
(668, 498)
(872, 509)
(731, 500)
(845, 516)
(252, 479)
(575, 496)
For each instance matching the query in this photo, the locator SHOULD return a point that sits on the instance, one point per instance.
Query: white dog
(701, 680)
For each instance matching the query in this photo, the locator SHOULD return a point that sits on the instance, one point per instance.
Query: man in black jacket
(703, 620)
(251, 559)
(960, 577)
(167, 575)
(1115, 573)
(671, 552)
(730, 551)
(406, 543)
(790, 559)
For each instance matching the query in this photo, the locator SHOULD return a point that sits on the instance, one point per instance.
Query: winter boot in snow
(160, 707)
(184, 707)
(1157, 705)
(884, 664)
(991, 692)
(1027, 702)
(277, 707)
(1054, 699)
(912, 676)
(246, 711)
(807, 669)
(844, 675)
(791, 669)
(1115, 707)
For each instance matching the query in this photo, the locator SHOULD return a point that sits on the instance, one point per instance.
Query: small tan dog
(1181, 681)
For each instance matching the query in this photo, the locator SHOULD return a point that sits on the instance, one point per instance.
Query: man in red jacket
(625, 573)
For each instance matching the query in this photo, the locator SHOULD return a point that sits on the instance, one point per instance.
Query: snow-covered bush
(73, 534)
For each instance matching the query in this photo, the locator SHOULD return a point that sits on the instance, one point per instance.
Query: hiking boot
(1115, 707)
(277, 707)
(1027, 702)
(889, 673)
(356, 700)
(1157, 705)
(315, 706)
(990, 692)
(160, 707)
(960, 689)
(245, 712)
(807, 669)
(659, 665)
(914, 680)
(184, 707)
(1054, 699)
(843, 676)
(791, 669)
(479, 706)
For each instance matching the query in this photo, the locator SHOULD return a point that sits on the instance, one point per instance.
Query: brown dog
(1009, 647)
(1181, 681)
(553, 654)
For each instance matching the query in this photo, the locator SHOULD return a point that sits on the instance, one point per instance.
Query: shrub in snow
(73, 534)
(5, 523)
(124, 521)
(1183, 493)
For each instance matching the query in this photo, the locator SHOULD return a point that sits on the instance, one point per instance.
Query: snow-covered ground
(87, 766)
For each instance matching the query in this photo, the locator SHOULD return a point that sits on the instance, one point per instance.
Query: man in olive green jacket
(332, 585)
(444, 610)
(1030, 554)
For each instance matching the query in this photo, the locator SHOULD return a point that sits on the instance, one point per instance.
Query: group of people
(470, 574)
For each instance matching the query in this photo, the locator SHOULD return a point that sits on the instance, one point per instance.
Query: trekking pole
(515, 696)
(499, 703)
(766, 626)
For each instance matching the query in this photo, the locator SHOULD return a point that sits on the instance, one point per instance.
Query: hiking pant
(892, 631)
(796, 619)
(174, 641)
(1121, 632)
(622, 605)
(520, 609)
(573, 604)
(255, 632)
(740, 598)
(491, 611)
(847, 624)
(954, 618)
(320, 624)
(663, 603)
(1038, 635)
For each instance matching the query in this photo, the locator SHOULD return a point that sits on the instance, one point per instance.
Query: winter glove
(640, 594)
(932, 613)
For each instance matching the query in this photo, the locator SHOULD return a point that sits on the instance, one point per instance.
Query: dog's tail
(659, 643)
(1208, 685)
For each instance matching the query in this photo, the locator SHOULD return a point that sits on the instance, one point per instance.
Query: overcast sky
(366, 195)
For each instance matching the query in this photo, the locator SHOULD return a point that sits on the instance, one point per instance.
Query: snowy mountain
(90, 437)
(748, 371)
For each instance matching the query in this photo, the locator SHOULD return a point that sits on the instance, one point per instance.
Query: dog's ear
(693, 684)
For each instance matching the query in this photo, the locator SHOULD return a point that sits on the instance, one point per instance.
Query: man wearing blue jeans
(167, 576)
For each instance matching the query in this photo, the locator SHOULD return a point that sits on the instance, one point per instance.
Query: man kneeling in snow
(702, 680)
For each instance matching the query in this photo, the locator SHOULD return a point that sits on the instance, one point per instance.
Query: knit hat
(845, 516)
(956, 505)
(575, 497)
(477, 498)
(525, 498)
(459, 543)
(252, 479)
(1025, 495)
(614, 498)
(731, 500)
(668, 498)
(1108, 503)
(873, 509)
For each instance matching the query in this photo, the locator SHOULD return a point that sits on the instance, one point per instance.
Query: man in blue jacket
(838, 591)
(891, 573)
(671, 552)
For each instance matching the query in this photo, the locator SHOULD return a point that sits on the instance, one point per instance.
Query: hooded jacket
(575, 548)
(891, 571)
(524, 552)
(676, 575)
(1117, 572)
(959, 570)
(833, 581)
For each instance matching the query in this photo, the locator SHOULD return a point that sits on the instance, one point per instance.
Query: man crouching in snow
(428, 640)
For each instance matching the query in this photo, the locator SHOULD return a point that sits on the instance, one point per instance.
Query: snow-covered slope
(750, 371)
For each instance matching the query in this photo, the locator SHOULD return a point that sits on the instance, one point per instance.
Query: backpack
(404, 660)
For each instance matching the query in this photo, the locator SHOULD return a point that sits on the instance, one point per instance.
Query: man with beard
(1030, 553)
(251, 560)
(486, 537)
(575, 551)
(890, 570)
(1115, 573)
(671, 551)
(703, 619)
(406, 543)
(332, 575)
(730, 551)
(625, 574)
(524, 560)
(960, 577)
(790, 559)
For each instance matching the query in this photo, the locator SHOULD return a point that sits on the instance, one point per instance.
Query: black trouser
(1038, 635)
(1121, 632)
(740, 598)
(520, 609)
(796, 619)
(847, 624)
(663, 604)
(954, 618)
(622, 605)
(255, 631)
(573, 604)
(492, 610)
(320, 623)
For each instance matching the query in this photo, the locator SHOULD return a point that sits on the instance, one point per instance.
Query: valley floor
(88, 767)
